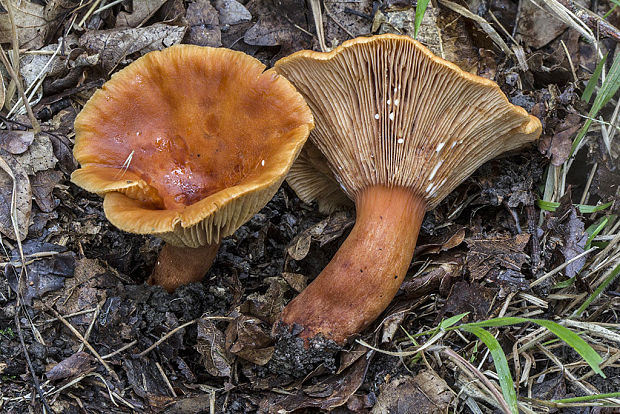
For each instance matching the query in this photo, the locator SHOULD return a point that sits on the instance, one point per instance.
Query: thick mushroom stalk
(187, 144)
(397, 129)
(177, 266)
(366, 272)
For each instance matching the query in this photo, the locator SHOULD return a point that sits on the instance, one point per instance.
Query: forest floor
(534, 234)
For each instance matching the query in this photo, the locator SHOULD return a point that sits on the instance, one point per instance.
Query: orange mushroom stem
(178, 266)
(366, 272)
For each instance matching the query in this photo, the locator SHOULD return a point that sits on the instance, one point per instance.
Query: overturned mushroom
(398, 129)
(188, 144)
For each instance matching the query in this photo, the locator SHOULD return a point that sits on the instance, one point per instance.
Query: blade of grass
(547, 205)
(420, 9)
(587, 93)
(571, 338)
(446, 323)
(595, 231)
(588, 398)
(501, 365)
(598, 291)
(606, 92)
(586, 209)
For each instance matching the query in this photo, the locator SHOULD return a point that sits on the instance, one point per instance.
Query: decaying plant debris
(532, 235)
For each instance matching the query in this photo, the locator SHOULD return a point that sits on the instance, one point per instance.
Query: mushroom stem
(366, 272)
(177, 266)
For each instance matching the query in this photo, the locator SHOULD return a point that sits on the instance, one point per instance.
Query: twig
(20, 88)
(166, 336)
(85, 342)
(29, 362)
(484, 25)
(474, 371)
(561, 267)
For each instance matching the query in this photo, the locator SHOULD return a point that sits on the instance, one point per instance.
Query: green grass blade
(595, 231)
(571, 338)
(587, 398)
(598, 291)
(606, 92)
(501, 365)
(547, 205)
(587, 93)
(586, 209)
(445, 324)
(420, 9)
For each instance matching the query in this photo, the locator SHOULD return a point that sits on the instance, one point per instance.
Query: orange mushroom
(187, 144)
(397, 130)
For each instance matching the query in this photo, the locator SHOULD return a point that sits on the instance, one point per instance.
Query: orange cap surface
(190, 142)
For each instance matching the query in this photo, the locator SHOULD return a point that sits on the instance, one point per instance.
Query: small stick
(85, 342)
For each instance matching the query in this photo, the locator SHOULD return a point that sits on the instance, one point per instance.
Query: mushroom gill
(397, 129)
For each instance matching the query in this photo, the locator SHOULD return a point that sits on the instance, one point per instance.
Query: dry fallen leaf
(71, 367)
(212, 346)
(488, 256)
(281, 23)
(39, 156)
(204, 24)
(427, 392)
(142, 11)
(15, 197)
(249, 338)
(30, 22)
(16, 142)
(232, 12)
(116, 44)
(42, 184)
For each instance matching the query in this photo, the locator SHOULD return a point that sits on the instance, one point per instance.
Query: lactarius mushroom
(398, 129)
(188, 144)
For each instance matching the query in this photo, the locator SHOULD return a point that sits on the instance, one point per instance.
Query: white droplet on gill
(430, 177)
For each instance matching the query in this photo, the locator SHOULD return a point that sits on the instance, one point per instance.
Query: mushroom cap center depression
(191, 130)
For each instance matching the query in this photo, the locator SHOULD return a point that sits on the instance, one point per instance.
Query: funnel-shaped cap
(189, 143)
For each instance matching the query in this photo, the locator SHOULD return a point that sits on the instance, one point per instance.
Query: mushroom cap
(190, 142)
(389, 112)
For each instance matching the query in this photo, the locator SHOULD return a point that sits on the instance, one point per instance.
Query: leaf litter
(210, 346)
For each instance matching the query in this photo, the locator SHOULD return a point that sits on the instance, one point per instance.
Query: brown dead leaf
(249, 339)
(16, 142)
(443, 242)
(232, 12)
(204, 24)
(295, 280)
(116, 44)
(300, 246)
(71, 367)
(212, 346)
(566, 235)
(46, 273)
(323, 232)
(559, 145)
(267, 307)
(15, 192)
(43, 183)
(464, 297)
(142, 11)
(427, 392)
(537, 27)
(280, 23)
(332, 392)
(439, 275)
(39, 156)
(30, 21)
(486, 257)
